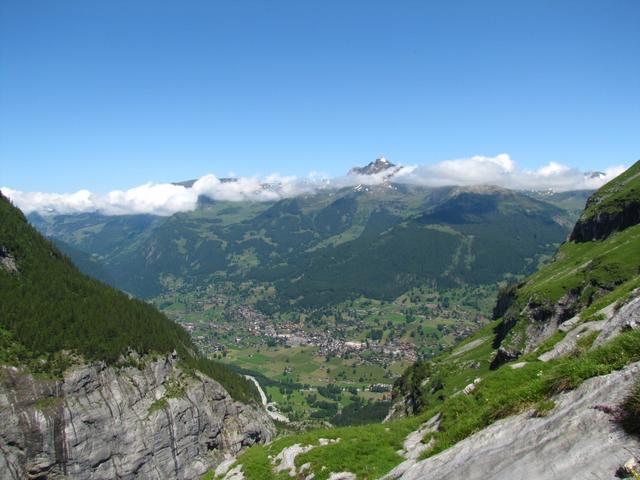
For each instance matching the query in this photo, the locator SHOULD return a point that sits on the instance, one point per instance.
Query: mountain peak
(596, 175)
(379, 165)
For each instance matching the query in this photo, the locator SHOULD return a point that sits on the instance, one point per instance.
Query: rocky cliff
(603, 224)
(153, 421)
(613, 208)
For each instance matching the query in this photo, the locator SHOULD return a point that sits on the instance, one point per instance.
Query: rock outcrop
(7, 261)
(627, 317)
(413, 446)
(613, 208)
(380, 165)
(542, 319)
(603, 224)
(99, 422)
(614, 319)
(577, 439)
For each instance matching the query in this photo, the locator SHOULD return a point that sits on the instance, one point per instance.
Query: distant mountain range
(325, 247)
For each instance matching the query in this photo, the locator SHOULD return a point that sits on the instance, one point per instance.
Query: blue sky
(105, 95)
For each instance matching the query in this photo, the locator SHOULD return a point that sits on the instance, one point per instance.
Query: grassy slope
(370, 451)
(615, 194)
(599, 264)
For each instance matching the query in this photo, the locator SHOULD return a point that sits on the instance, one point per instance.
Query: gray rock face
(413, 447)
(100, 422)
(545, 320)
(605, 223)
(400, 408)
(570, 342)
(575, 440)
(542, 321)
(626, 318)
(617, 216)
(381, 164)
(7, 261)
(615, 321)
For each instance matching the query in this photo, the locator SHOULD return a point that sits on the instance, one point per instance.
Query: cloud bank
(502, 171)
(167, 199)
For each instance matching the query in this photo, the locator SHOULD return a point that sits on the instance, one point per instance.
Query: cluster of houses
(251, 323)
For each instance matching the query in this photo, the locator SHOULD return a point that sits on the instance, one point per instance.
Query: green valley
(293, 240)
(341, 289)
(577, 321)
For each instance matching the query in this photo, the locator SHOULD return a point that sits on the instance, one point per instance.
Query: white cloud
(167, 199)
(159, 199)
(552, 169)
(503, 171)
(80, 201)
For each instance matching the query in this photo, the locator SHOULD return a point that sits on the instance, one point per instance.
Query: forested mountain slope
(94, 384)
(330, 246)
(49, 307)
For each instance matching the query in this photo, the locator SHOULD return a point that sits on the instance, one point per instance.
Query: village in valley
(313, 365)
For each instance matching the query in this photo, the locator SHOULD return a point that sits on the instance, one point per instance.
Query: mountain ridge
(94, 384)
(314, 227)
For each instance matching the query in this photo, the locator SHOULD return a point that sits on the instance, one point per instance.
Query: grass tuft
(630, 411)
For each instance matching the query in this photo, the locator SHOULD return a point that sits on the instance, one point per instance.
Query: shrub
(630, 411)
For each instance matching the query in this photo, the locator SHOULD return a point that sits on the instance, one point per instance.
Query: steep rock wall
(99, 422)
(603, 224)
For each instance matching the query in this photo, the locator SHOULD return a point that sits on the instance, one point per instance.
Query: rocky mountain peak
(591, 175)
(379, 165)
